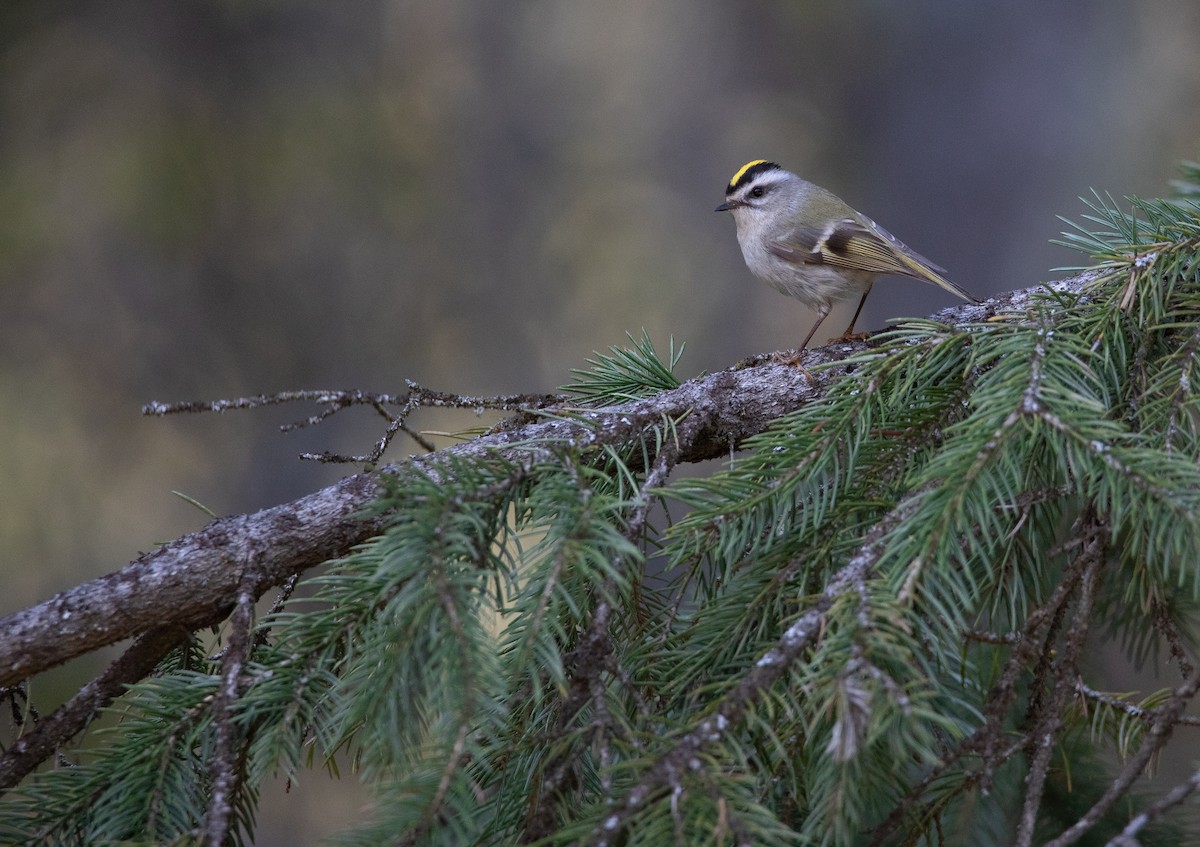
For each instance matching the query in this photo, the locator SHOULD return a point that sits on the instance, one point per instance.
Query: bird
(809, 244)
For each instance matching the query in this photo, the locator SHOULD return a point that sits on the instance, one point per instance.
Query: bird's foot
(791, 358)
(849, 336)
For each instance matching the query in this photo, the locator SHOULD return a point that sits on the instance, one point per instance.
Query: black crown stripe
(747, 172)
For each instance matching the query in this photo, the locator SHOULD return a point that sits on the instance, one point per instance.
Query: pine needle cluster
(876, 624)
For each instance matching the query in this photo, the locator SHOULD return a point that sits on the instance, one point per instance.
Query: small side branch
(1139, 713)
(225, 770)
(991, 742)
(1048, 724)
(1156, 736)
(1128, 836)
(683, 757)
(589, 660)
(416, 397)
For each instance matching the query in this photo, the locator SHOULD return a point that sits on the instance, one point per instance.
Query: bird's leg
(849, 334)
(794, 359)
(822, 314)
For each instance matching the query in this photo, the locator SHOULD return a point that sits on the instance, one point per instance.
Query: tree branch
(194, 581)
(191, 582)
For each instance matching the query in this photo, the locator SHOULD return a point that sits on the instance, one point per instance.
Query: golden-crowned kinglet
(807, 243)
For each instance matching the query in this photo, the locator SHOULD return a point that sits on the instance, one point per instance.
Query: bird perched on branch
(809, 244)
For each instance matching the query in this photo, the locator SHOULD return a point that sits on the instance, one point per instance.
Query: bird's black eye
(757, 191)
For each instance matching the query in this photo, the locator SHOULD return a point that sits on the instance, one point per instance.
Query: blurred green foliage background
(224, 197)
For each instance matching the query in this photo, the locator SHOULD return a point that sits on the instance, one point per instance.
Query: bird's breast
(815, 285)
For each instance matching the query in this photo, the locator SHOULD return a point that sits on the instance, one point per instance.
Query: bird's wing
(859, 244)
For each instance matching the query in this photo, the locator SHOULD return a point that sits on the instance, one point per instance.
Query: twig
(225, 776)
(1130, 709)
(285, 593)
(992, 637)
(416, 397)
(1164, 624)
(335, 398)
(1128, 836)
(1049, 723)
(1160, 731)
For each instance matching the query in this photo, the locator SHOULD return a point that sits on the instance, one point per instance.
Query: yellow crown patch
(741, 172)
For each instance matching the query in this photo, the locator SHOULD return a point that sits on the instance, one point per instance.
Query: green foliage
(625, 373)
(147, 781)
(533, 651)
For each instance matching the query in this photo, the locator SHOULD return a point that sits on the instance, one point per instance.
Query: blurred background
(218, 198)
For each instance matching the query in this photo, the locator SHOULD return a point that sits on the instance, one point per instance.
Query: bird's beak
(724, 207)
